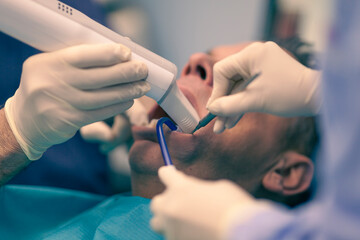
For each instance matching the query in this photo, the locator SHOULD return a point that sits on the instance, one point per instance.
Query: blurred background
(176, 29)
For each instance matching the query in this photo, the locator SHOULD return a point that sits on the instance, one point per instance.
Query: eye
(201, 71)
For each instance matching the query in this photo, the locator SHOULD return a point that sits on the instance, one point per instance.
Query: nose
(200, 65)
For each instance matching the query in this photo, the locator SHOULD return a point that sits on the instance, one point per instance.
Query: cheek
(240, 142)
(183, 151)
(211, 145)
(202, 99)
(145, 157)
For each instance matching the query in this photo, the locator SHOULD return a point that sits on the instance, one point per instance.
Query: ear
(291, 175)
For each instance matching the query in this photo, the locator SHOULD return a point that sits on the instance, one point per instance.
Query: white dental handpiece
(49, 25)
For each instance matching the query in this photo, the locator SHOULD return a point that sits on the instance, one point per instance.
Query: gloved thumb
(229, 71)
(169, 175)
(97, 132)
(157, 224)
(121, 133)
(137, 114)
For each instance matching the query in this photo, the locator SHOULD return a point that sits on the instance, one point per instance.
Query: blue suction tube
(161, 138)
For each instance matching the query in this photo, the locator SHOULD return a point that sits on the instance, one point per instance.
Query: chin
(146, 186)
(145, 157)
(145, 160)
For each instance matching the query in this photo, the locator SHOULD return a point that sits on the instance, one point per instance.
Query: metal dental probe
(204, 121)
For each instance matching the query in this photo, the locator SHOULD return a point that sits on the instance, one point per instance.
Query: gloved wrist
(239, 214)
(32, 152)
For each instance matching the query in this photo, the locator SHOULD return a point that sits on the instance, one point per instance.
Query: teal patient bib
(28, 212)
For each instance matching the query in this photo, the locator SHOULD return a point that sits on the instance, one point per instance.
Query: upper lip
(157, 112)
(190, 97)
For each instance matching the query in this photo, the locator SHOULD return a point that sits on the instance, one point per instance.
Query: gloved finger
(137, 114)
(96, 55)
(230, 70)
(232, 121)
(95, 78)
(97, 132)
(121, 125)
(90, 100)
(100, 114)
(169, 175)
(221, 86)
(157, 224)
(157, 206)
(121, 132)
(158, 203)
(108, 147)
(236, 104)
(219, 125)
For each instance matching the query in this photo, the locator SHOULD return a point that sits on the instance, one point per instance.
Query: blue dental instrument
(161, 138)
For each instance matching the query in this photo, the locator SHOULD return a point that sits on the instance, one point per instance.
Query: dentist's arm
(12, 158)
(284, 88)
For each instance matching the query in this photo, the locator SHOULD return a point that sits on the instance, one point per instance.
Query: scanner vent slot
(65, 8)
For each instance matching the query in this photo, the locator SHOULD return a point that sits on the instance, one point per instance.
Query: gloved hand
(64, 90)
(191, 208)
(119, 133)
(284, 88)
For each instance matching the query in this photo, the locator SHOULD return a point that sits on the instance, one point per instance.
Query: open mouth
(147, 131)
(158, 112)
(184, 114)
(155, 114)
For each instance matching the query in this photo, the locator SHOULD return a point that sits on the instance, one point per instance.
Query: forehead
(223, 51)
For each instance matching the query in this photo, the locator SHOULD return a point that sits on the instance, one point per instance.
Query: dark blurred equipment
(282, 27)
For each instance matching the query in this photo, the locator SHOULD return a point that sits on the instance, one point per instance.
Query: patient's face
(242, 154)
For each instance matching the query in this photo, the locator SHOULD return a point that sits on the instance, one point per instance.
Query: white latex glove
(64, 90)
(284, 88)
(119, 133)
(191, 208)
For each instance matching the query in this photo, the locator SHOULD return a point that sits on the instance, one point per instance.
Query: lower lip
(146, 133)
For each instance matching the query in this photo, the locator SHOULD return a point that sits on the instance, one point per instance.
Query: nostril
(186, 71)
(201, 71)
